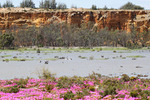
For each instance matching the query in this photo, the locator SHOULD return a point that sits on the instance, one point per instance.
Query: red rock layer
(116, 19)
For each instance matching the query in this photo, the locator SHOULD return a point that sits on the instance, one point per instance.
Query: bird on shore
(46, 62)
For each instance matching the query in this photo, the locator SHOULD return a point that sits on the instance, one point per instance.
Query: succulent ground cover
(93, 87)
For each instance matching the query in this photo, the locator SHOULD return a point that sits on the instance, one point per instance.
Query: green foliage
(134, 93)
(8, 3)
(13, 89)
(131, 6)
(110, 82)
(62, 6)
(87, 36)
(53, 4)
(133, 45)
(67, 82)
(95, 76)
(105, 86)
(92, 88)
(49, 87)
(136, 37)
(48, 4)
(110, 86)
(125, 78)
(139, 93)
(60, 41)
(64, 82)
(67, 96)
(27, 3)
(133, 78)
(105, 8)
(21, 83)
(8, 82)
(144, 94)
(0, 5)
(47, 99)
(6, 40)
(111, 90)
(26, 37)
(94, 7)
(79, 95)
(39, 39)
(46, 74)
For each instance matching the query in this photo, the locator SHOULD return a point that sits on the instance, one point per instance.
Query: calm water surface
(70, 63)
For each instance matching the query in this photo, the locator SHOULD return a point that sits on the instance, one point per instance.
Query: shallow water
(74, 63)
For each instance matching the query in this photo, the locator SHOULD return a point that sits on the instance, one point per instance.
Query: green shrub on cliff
(131, 6)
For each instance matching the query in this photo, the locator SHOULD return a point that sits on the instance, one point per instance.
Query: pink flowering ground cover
(93, 87)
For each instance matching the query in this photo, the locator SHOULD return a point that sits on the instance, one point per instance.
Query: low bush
(21, 83)
(125, 78)
(134, 93)
(72, 88)
(92, 88)
(49, 87)
(46, 74)
(67, 96)
(111, 90)
(13, 89)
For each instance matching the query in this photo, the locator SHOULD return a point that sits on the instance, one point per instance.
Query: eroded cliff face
(116, 19)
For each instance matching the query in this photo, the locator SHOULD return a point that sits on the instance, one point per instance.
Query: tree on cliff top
(74, 6)
(62, 6)
(27, 3)
(53, 4)
(105, 8)
(94, 7)
(0, 6)
(41, 4)
(8, 4)
(48, 4)
(131, 6)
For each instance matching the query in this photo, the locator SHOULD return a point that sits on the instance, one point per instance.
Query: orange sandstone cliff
(113, 19)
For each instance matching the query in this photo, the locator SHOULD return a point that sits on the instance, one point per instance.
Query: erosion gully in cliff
(113, 19)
